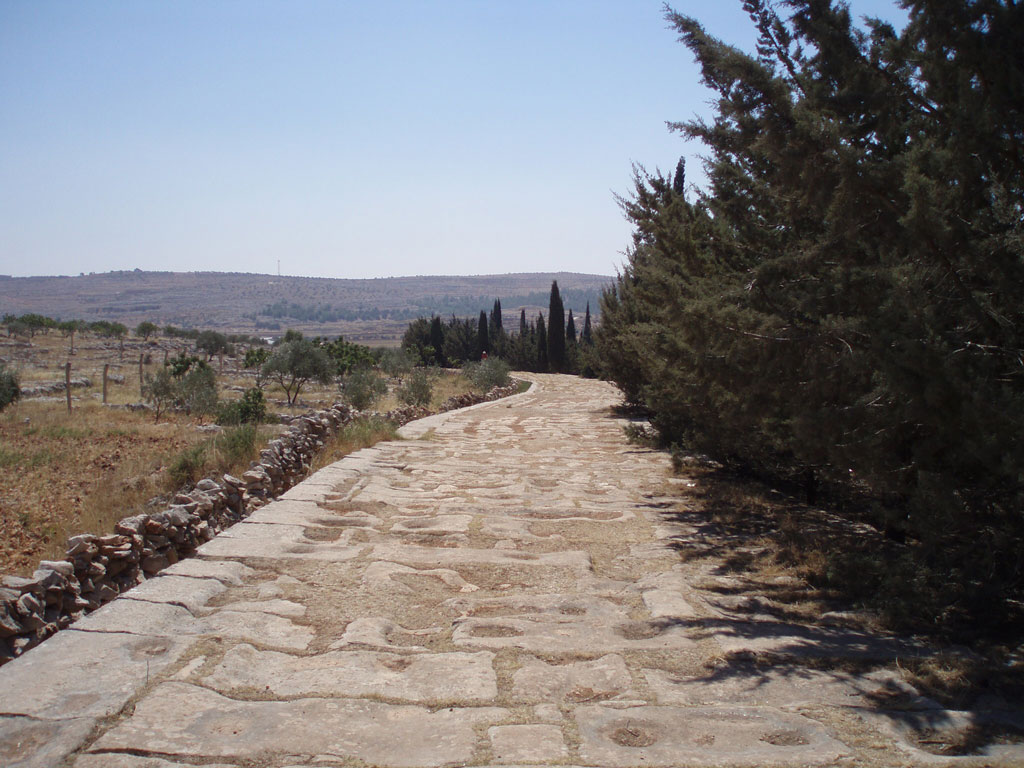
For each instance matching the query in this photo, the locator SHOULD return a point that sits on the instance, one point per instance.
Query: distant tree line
(458, 306)
(842, 305)
(554, 346)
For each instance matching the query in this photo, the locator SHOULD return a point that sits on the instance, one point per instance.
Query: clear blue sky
(345, 139)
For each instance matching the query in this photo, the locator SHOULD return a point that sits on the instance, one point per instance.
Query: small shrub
(237, 445)
(487, 374)
(160, 390)
(397, 363)
(362, 388)
(9, 389)
(250, 409)
(187, 467)
(418, 389)
(197, 391)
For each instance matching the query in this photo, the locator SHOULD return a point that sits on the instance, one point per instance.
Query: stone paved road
(500, 588)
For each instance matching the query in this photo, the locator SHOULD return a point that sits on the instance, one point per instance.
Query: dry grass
(444, 384)
(361, 433)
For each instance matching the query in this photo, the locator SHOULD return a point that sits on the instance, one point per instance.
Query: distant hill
(369, 311)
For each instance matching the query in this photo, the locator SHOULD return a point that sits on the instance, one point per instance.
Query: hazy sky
(345, 139)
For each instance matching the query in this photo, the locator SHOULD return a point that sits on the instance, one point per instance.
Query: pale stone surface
(522, 555)
(291, 512)
(187, 592)
(527, 743)
(790, 688)
(185, 721)
(84, 674)
(378, 632)
(578, 682)
(284, 541)
(277, 607)
(114, 760)
(227, 571)
(29, 743)
(541, 634)
(667, 603)
(662, 736)
(165, 619)
(467, 678)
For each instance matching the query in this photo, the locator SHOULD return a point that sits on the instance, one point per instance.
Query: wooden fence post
(67, 383)
(141, 380)
(106, 367)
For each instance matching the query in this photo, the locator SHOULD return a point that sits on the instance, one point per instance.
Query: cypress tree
(571, 349)
(542, 345)
(587, 337)
(556, 330)
(522, 323)
(496, 329)
(437, 341)
(482, 338)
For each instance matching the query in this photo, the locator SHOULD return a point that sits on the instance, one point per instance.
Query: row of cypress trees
(552, 346)
(842, 304)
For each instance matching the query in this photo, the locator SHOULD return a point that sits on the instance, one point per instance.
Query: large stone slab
(291, 512)
(180, 720)
(78, 674)
(115, 760)
(431, 524)
(168, 620)
(578, 682)
(29, 743)
(227, 571)
(453, 558)
(466, 678)
(527, 743)
(184, 591)
(274, 541)
(699, 736)
(798, 640)
(579, 636)
(786, 688)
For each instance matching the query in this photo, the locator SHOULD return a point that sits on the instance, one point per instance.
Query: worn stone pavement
(499, 588)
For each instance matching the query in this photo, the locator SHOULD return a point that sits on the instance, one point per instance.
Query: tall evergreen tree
(483, 342)
(542, 345)
(496, 331)
(679, 178)
(522, 322)
(437, 341)
(572, 358)
(587, 337)
(556, 330)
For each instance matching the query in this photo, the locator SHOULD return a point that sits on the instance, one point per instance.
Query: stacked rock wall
(98, 568)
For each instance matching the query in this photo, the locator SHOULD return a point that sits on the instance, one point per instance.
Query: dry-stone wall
(98, 568)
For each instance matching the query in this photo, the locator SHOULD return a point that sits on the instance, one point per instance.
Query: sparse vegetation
(9, 388)
(361, 433)
(295, 363)
(63, 474)
(363, 387)
(251, 408)
(488, 374)
(417, 389)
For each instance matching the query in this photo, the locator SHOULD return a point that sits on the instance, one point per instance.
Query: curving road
(501, 587)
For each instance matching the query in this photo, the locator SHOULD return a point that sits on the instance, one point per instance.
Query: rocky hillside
(369, 311)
